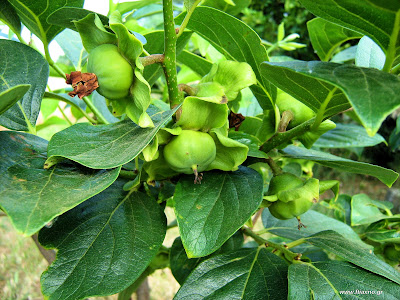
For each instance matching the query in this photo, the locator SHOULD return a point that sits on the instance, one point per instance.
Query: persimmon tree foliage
(198, 115)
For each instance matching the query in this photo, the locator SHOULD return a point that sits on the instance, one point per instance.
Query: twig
(170, 39)
(152, 59)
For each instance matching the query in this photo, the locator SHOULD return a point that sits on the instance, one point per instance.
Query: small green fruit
(113, 71)
(287, 210)
(190, 152)
(282, 182)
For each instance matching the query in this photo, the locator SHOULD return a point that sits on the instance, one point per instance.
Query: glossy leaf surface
(361, 256)
(34, 15)
(210, 212)
(21, 65)
(109, 145)
(103, 245)
(237, 41)
(242, 274)
(387, 176)
(33, 196)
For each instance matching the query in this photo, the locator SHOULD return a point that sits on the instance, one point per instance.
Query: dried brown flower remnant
(83, 83)
(235, 120)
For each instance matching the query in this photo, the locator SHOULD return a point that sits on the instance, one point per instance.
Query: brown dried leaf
(83, 83)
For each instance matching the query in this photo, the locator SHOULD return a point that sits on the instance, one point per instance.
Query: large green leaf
(348, 135)
(363, 211)
(337, 280)
(181, 266)
(237, 41)
(125, 7)
(65, 17)
(32, 196)
(155, 45)
(372, 93)
(11, 96)
(314, 221)
(243, 274)
(103, 245)
(387, 176)
(326, 37)
(210, 212)
(34, 15)
(377, 19)
(105, 146)
(20, 64)
(353, 252)
(9, 16)
(195, 62)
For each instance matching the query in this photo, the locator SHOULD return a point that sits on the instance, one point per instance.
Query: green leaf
(198, 114)
(155, 45)
(11, 96)
(195, 62)
(103, 245)
(311, 82)
(65, 17)
(242, 274)
(387, 176)
(337, 280)
(181, 266)
(237, 41)
(105, 146)
(369, 54)
(32, 196)
(314, 221)
(9, 16)
(364, 211)
(21, 65)
(347, 136)
(93, 33)
(71, 43)
(34, 16)
(210, 212)
(377, 19)
(326, 37)
(250, 141)
(125, 7)
(230, 153)
(353, 252)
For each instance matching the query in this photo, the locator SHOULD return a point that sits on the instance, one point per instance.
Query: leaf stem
(295, 243)
(276, 170)
(170, 39)
(391, 51)
(187, 89)
(187, 17)
(64, 115)
(152, 59)
(261, 241)
(283, 137)
(287, 116)
(95, 111)
(59, 98)
(320, 115)
(31, 128)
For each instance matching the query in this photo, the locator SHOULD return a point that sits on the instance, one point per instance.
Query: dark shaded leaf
(32, 196)
(103, 245)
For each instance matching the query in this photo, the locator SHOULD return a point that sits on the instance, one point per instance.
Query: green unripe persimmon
(284, 181)
(113, 71)
(190, 152)
(288, 210)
